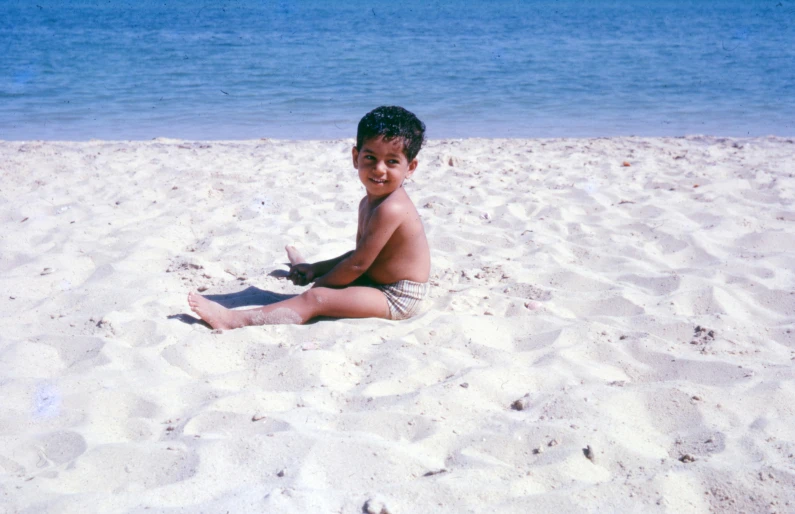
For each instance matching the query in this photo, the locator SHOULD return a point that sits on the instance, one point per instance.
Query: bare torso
(406, 255)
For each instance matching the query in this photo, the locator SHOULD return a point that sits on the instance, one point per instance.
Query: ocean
(76, 70)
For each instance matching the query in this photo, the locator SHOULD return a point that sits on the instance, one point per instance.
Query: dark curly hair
(392, 122)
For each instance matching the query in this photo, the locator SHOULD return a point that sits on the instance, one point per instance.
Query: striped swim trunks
(404, 297)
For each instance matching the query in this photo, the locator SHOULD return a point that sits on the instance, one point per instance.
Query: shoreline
(332, 140)
(635, 295)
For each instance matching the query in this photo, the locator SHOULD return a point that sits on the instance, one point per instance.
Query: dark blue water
(311, 69)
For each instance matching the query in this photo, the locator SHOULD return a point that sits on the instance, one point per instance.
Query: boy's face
(382, 165)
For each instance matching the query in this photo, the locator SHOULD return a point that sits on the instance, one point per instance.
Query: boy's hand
(301, 274)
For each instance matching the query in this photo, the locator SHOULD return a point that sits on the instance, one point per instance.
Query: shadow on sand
(249, 297)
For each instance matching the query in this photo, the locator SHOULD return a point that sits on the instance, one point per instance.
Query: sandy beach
(612, 329)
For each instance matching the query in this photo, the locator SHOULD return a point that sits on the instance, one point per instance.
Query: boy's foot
(294, 255)
(216, 315)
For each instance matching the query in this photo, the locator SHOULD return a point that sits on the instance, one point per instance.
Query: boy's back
(406, 255)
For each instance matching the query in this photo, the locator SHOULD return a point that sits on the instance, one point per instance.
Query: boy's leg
(350, 302)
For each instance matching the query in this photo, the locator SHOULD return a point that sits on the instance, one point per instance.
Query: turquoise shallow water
(310, 69)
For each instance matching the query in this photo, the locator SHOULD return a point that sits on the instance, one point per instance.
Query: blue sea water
(307, 69)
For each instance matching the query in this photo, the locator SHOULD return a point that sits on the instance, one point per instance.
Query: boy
(386, 275)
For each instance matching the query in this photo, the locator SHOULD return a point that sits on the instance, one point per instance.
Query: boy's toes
(294, 255)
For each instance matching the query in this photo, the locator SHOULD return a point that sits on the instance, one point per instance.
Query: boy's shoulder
(396, 204)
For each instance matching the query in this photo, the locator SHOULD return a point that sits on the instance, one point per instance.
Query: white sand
(559, 274)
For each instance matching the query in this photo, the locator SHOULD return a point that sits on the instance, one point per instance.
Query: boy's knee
(316, 296)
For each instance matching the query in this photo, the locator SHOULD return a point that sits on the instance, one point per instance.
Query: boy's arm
(383, 223)
(303, 273)
(323, 267)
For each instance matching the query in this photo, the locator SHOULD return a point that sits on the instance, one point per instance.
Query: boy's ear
(355, 154)
(412, 166)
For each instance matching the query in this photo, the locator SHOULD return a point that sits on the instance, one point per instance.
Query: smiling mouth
(377, 181)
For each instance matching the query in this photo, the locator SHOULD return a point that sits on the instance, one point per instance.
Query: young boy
(386, 275)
